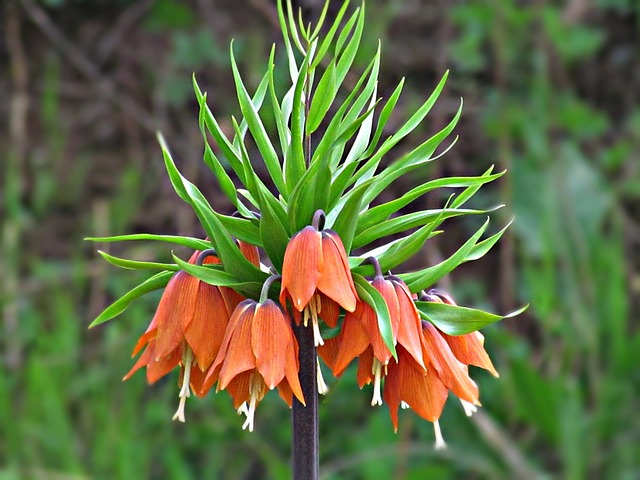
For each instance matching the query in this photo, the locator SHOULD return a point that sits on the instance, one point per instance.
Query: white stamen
(311, 311)
(185, 391)
(322, 386)
(376, 369)
(305, 317)
(243, 409)
(469, 408)
(404, 405)
(440, 443)
(317, 337)
(250, 414)
(255, 386)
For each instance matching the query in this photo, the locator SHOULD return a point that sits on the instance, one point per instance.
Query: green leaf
(257, 99)
(481, 248)
(137, 265)
(417, 158)
(347, 216)
(158, 281)
(275, 237)
(408, 221)
(375, 300)
(293, 28)
(327, 143)
(293, 66)
(310, 194)
(216, 275)
(227, 148)
(295, 165)
(268, 153)
(369, 167)
(328, 38)
(384, 117)
(323, 97)
(194, 243)
(471, 190)
(378, 252)
(228, 252)
(455, 320)
(427, 277)
(382, 212)
(243, 229)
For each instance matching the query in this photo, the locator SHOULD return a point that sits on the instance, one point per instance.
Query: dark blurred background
(551, 92)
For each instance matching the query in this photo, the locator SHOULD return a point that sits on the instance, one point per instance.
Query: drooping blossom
(407, 386)
(186, 330)
(316, 266)
(360, 335)
(259, 353)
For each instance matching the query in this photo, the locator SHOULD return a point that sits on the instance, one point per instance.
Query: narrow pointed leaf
(194, 243)
(456, 320)
(135, 264)
(268, 153)
(158, 281)
(215, 275)
(427, 277)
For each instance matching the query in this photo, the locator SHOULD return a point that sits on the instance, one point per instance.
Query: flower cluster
(247, 347)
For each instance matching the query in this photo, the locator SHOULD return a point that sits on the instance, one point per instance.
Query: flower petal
(270, 337)
(365, 364)
(250, 252)
(329, 311)
(453, 374)
(302, 267)
(175, 312)
(336, 281)
(206, 331)
(238, 388)
(292, 369)
(157, 369)
(236, 356)
(469, 349)
(352, 341)
(409, 327)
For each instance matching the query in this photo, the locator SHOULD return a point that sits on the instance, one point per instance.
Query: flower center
(185, 391)
(257, 389)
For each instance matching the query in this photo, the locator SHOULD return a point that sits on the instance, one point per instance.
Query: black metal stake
(305, 419)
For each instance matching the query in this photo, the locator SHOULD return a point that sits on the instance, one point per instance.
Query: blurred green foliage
(567, 400)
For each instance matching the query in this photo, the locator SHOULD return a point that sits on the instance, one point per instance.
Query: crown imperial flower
(316, 264)
(259, 353)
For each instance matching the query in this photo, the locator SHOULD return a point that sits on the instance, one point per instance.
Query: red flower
(316, 263)
(259, 352)
(187, 330)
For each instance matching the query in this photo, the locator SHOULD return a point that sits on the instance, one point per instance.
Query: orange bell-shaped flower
(259, 353)
(187, 330)
(316, 264)
(360, 335)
